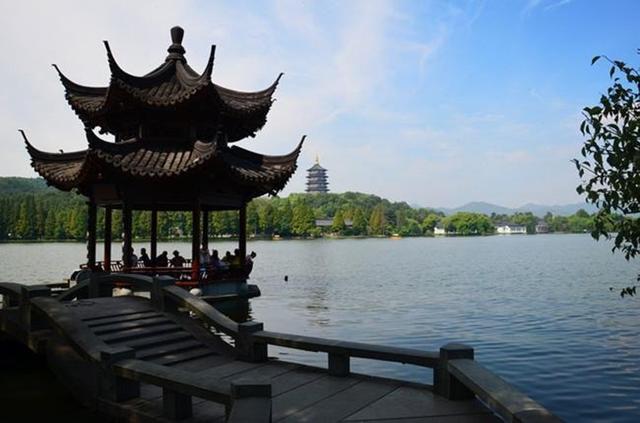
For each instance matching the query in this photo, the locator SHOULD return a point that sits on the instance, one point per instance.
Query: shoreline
(288, 238)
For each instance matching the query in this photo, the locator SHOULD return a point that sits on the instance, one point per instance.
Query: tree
(430, 221)
(252, 218)
(527, 219)
(610, 166)
(50, 225)
(377, 220)
(609, 173)
(25, 227)
(359, 226)
(283, 219)
(411, 228)
(338, 226)
(303, 221)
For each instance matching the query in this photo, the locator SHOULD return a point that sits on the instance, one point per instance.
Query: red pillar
(205, 229)
(91, 235)
(242, 233)
(126, 223)
(195, 243)
(154, 236)
(106, 259)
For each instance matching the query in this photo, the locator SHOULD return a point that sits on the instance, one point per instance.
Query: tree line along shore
(29, 210)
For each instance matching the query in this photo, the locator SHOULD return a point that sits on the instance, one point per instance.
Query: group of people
(161, 261)
(229, 261)
(207, 260)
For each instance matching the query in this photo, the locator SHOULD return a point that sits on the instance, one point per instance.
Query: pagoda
(317, 178)
(173, 131)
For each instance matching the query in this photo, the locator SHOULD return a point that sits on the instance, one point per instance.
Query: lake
(537, 309)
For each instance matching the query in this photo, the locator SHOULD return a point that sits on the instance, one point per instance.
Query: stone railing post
(250, 348)
(115, 387)
(158, 299)
(443, 382)
(98, 289)
(29, 321)
(176, 406)
(250, 402)
(339, 364)
(8, 301)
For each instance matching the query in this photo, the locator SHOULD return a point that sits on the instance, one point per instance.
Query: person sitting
(177, 260)
(144, 258)
(236, 260)
(228, 258)
(216, 263)
(205, 257)
(133, 258)
(162, 260)
(248, 262)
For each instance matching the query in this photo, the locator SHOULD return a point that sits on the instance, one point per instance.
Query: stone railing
(457, 376)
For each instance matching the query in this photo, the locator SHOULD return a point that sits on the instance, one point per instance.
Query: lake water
(537, 309)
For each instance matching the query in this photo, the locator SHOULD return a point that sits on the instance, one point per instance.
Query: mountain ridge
(537, 209)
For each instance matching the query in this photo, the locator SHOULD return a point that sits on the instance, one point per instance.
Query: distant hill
(478, 207)
(18, 185)
(537, 209)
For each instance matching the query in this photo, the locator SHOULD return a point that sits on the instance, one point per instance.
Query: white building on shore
(439, 229)
(511, 229)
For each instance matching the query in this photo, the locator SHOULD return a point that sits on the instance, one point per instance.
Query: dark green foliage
(465, 223)
(526, 219)
(359, 226)
(338, 226)
(16, 185)
(377, 222)
(610, 164)
(54, 215)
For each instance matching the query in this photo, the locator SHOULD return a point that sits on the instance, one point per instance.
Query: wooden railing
(511, 404)
(119, 374)
(457, 376)
(207, 274)
(178, 297)
(244, 402)
(340, 352)
(10, 293)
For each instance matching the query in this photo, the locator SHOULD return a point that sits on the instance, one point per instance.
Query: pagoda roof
(316, 166)
(136, 159)
(171, 86)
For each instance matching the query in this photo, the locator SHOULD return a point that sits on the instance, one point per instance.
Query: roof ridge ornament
(176, 51)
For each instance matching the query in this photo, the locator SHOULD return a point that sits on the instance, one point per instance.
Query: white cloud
(343, 65)
(546, 5)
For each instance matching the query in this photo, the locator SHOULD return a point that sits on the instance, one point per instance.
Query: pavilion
(173, 129)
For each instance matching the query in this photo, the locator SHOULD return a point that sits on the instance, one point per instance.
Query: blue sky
(432, 102)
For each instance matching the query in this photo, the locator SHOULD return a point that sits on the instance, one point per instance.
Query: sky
(435, 103)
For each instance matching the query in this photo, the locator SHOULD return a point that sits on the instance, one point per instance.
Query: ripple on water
(537, 309)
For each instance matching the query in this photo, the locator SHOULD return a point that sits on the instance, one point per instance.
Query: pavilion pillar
(205, 229)
(126, 245)
(106, 258)
(91, 238)
(154, 236)
(195, 243)
(242, 233)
